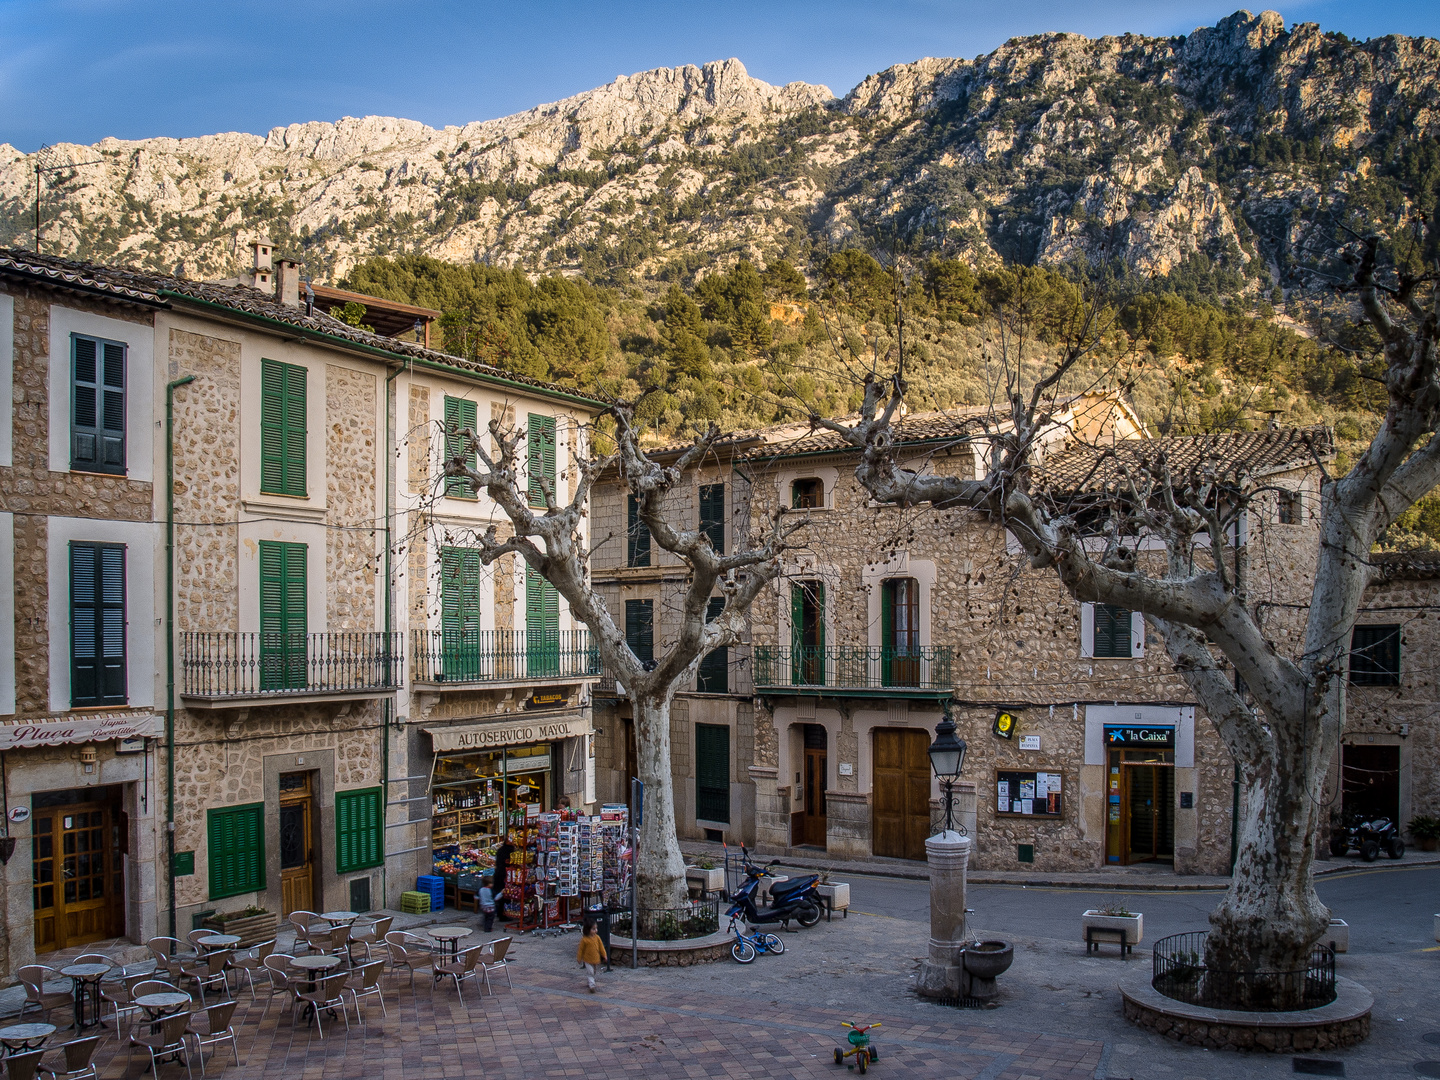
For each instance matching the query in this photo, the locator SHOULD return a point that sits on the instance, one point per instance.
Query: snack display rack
(524, 882)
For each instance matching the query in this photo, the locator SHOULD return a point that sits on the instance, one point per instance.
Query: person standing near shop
(487, 901)
(590, 952)
(502, 864)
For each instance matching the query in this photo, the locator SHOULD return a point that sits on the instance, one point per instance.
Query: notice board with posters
(1028, 792)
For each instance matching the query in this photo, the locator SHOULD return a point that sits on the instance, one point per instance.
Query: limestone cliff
(1054, 147)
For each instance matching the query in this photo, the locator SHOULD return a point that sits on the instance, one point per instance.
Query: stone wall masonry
(220, 756)
(32, 623)
(417, 440)
(207, 480)
(351, 564)
(28, 486)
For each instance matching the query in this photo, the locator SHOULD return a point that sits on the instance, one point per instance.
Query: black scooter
(788, 900)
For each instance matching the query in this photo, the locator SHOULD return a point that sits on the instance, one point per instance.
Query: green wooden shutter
(640, 629)
(713, 676)
(637, 535)
(542, 626)
(237, 850)
(460, 612)
(359, 830)
(283, 616)
(282, 428)
(712, 515)
(97, 625)
(97, 408)
(712, 772)
(540, 438)
(460, 413)
(1112, 632)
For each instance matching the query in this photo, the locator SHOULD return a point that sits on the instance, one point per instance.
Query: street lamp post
(948, 852)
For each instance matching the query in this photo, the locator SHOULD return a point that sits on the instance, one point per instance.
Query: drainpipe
(387, 707)
(170, 389)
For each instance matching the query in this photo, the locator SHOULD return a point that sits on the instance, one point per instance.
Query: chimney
(262, 274)
(287, 283)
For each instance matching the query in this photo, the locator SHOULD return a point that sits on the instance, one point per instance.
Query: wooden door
(297, 848)
(77, 879)
(901, 794)
(812, 820)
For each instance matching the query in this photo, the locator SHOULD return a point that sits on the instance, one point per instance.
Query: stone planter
(707, 881)
(1096, 926)
(767, 883)
(251, 930)
(836, 895)
(1337, 936)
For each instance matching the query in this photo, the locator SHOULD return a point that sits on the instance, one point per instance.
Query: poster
(1032, 794)
(1027, 789)
(1027, 806)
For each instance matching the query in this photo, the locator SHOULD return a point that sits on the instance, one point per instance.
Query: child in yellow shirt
(590, 952)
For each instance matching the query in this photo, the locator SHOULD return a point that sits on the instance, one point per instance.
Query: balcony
(502, 657)
(854, 671)
(226, 670)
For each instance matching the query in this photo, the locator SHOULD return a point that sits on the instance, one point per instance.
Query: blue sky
(78, 70)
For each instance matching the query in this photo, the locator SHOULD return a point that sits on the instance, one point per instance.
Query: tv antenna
(47, 160)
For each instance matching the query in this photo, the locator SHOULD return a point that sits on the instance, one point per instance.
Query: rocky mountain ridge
(1212, 151)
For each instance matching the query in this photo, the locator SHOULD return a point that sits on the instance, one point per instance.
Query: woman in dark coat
(502, 865)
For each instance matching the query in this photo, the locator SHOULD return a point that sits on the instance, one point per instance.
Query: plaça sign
(484, 736)
(57, 731)
(1158, 737)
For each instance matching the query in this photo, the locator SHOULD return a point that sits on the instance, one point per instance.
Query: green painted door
(542, 626)
(460, 613)
(282, 616)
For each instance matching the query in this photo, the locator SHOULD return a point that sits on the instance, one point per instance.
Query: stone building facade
(309, 514)
(885, 614)
(79, 557)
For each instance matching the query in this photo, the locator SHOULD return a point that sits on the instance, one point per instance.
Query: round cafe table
(340, 918)
(219, 941)
(19, 1037)
(87, 992)
(314, 966)
(449, 937)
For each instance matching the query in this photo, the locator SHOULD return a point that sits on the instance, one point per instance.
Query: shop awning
(512, 731)
(92, 727)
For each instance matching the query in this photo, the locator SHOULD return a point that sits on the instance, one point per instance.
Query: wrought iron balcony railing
(469, 656)
(854, 668)
(227, 665)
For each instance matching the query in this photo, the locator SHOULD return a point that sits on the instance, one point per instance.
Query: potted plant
(1108, 923)
(251, 926)
(836, 894)
(1425, 830)
(705, 875)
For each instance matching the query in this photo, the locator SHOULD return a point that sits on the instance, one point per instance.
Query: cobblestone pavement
(779, 1017)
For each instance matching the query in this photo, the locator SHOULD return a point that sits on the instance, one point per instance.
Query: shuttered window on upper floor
(97, 405)
(712, 515)
(97, 625)
(713, 675)
(460, 414)
(640, 629)
(540, 445)
(637, 534)
(282, 428)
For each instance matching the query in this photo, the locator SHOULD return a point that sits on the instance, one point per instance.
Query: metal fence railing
(1179, 971)
(240, 665)
(854, 667)
(462, 656)
(695, 919)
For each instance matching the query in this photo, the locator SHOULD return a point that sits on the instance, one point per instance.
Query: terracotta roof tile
(1418, 565)
(1230, 455)
(153, 289)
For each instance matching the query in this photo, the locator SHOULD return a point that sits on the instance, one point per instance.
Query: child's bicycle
(864, 1054)
(746, 949)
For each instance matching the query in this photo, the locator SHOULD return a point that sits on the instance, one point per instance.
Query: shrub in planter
(1426, 831)
(251, 926)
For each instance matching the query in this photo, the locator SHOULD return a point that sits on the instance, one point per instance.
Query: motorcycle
(788, 899)
(1369, 838)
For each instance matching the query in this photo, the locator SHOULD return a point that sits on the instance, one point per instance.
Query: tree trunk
(1271, 917)
(660, 870)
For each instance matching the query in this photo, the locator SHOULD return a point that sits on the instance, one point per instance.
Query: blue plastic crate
(434, 885)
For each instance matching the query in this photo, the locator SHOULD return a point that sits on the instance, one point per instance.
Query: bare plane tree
(552, 543)
(1285, 743)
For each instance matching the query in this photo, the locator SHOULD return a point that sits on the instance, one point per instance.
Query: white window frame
(1087, 635)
